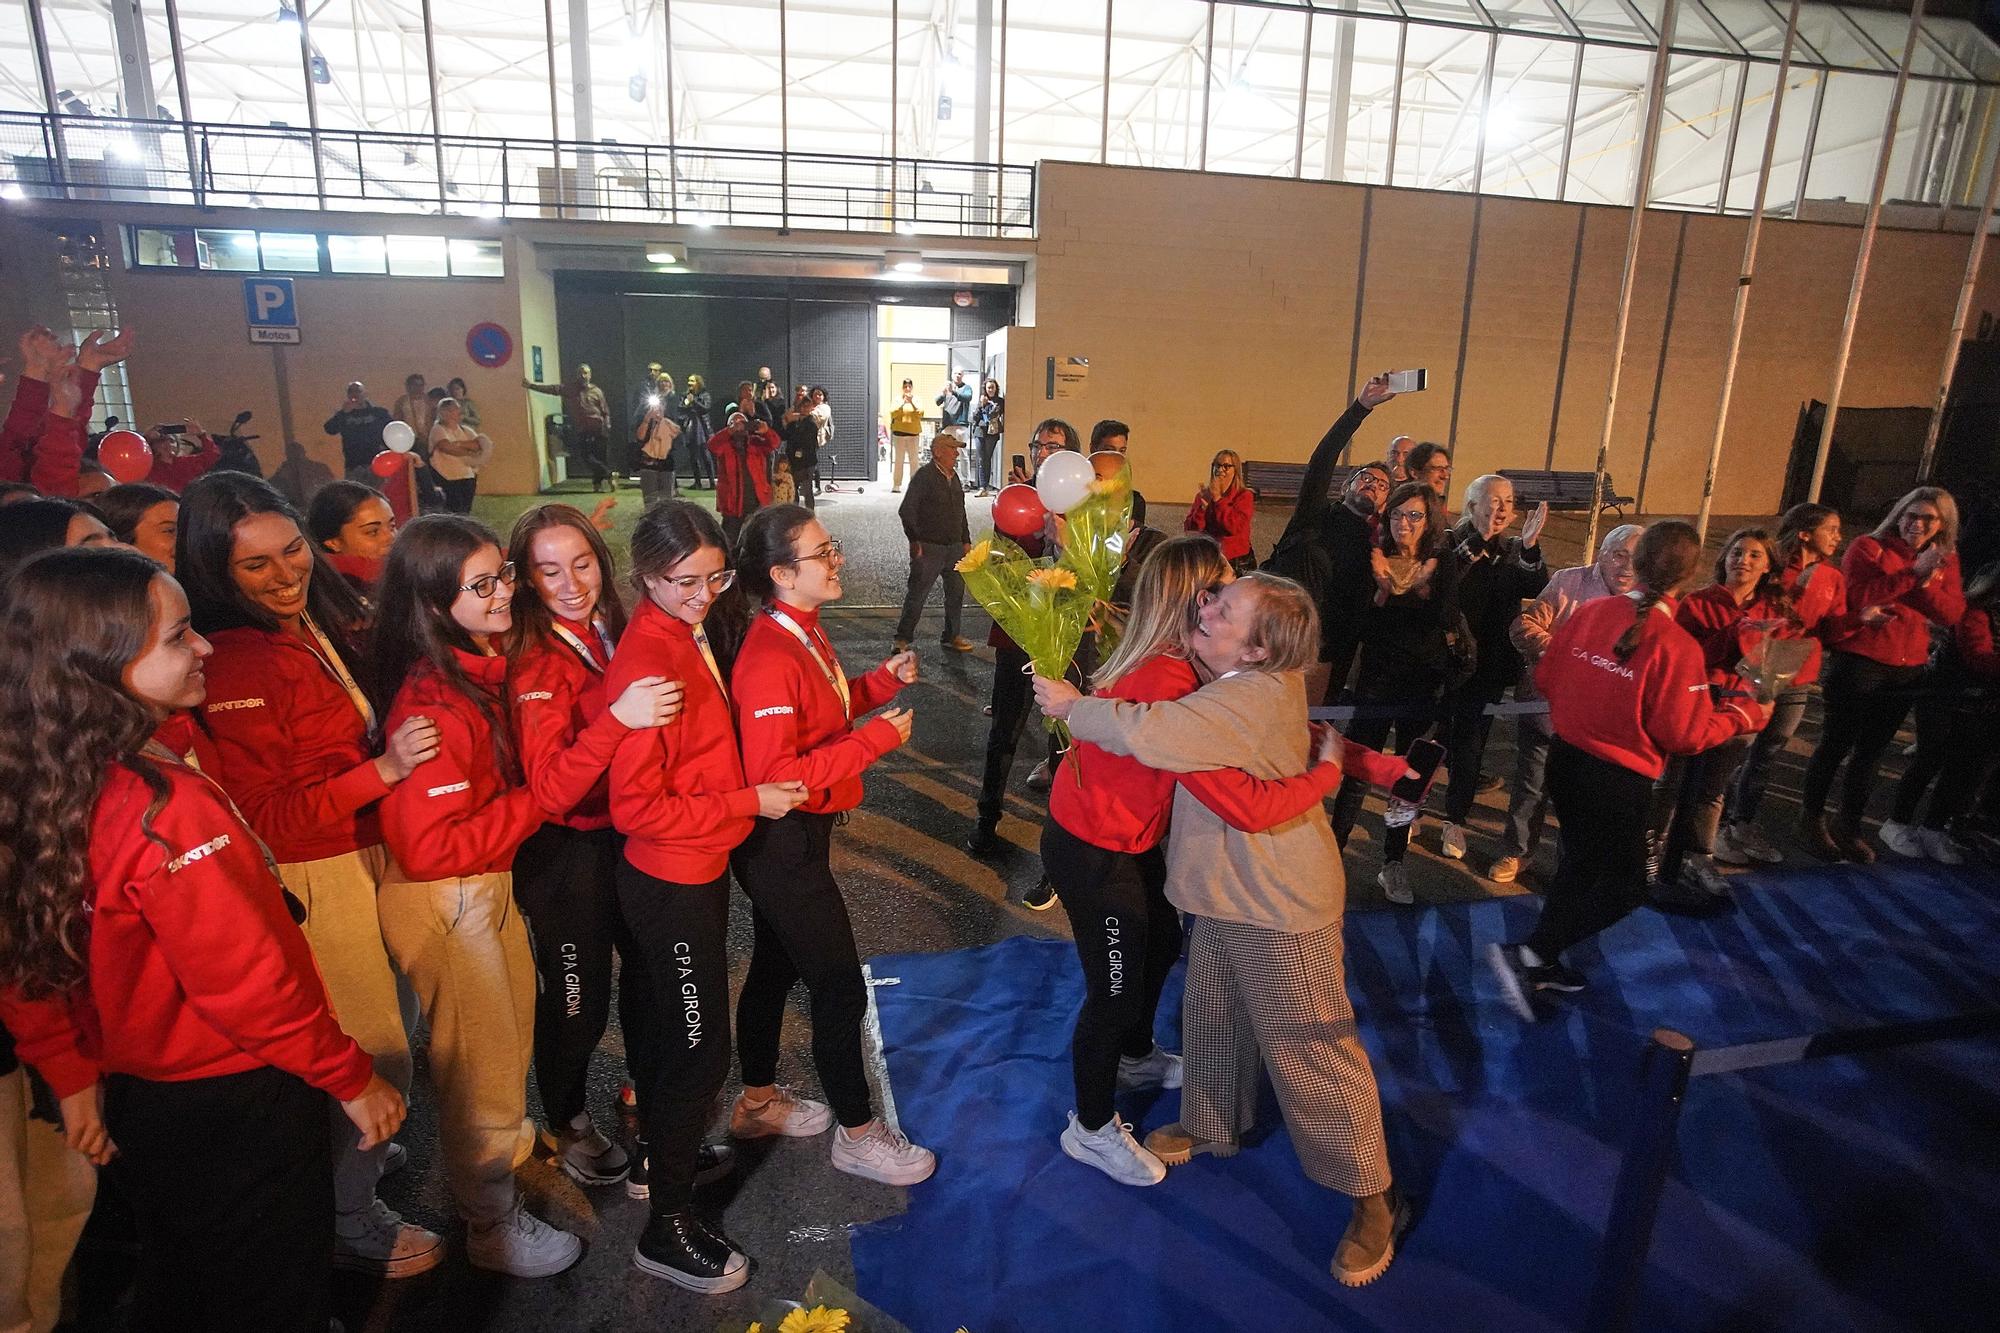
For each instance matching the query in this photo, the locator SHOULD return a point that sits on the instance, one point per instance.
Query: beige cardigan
(1288, 878)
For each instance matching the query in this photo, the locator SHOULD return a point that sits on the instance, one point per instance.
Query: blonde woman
(1264, 985)
(1225, 509)
(458, 452)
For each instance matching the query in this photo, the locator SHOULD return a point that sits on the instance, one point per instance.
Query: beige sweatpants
(341, 895)
(902, 459)
(464, 948)
(45, 1196)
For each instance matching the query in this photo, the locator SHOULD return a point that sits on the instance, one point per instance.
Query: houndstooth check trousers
(1271, 998)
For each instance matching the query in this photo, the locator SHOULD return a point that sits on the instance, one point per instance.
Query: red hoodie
(567, 732)
(295, 752)
(1880, 573)
(44, 450)
(677, 792)
(1637, 712)
(791, 721)
(754, 451)
(1714, 619)
(456, 814)
(196, 968)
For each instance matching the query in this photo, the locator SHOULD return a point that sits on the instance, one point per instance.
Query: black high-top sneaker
(680, 1248)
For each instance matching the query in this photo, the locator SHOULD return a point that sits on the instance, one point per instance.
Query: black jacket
(933, 509)
(1494, 577)
(360, 432)
(1325, 545)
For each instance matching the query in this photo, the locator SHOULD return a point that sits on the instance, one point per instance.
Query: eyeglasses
(831, 553)
(1410, 516)
(718, 582)
(1222, 467)
(1437, 469)
(488, 584)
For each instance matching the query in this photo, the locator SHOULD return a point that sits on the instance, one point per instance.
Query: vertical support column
(135, 71)
(986, 191)
(896, 106)
(784, 124)
(1958, 318)
(1000, 133)
(1305, 83)
(195, 180)
(1736, 130)
(1341, 95)
(1104, 100)
(437, 107)
(582, 109)
(673, 111)
(1642, 193)
(1569, 125)
(1396, 102)
(1749, 268)
(1208, 80)
(1642, 1177)
(312, 106)
(555, 106)
(47, 71)
(1860, 283)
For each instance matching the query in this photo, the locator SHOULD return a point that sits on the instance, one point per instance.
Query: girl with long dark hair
(355, 526)
(145, 941)
(796, 711)
(679, 795)
(1902, 578)
(301, 752)
(565, 873)
(692, 414)
(448, 913)
(143, 516)
(41, 524)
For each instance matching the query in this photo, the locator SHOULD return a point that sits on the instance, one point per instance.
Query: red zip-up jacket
(1117, 803)
(1880, 573)
(176, 473)
(196, 968)
(1975, 643)
(295, 753)
(790, 719)
(677, 792)
(1819, 605)
(1715, 621)
(1637, 712)
(1227, 518)
(759, 443)
(45, 451)
(567, 732)
(456, 815)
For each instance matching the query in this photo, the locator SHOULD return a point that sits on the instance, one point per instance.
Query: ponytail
(1666, 558)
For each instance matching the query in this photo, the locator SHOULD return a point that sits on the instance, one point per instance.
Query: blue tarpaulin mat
(1843, 1193)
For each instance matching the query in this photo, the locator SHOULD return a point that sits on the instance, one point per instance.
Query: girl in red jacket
(1627, 688)
(1225, 509)
(145, 942)
(565, 624)
(795, 710)
(1816, 593)
(448, 913)
(1724, 618)
(1958, 734)
(355, 526)
(679, 796)
(1901, 580)
(301, 752)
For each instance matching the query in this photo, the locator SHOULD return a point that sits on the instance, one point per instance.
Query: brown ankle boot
(1369, 1244)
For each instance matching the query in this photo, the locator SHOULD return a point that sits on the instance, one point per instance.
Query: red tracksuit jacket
(1637, 712)
(44, 450)
(790, 719)
(1227, 518)
(1713, 619)
(176, 473)
(1819, 604)
(678, 791)
(568, 735)
(760, 442)
(196, 967)
(456, 814)
(1879, 573)
(294, 750)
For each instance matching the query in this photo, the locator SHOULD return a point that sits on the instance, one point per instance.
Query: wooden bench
(1564, 490)
(1270, 481)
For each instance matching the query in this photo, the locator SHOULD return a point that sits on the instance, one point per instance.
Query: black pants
(805, 480)
(1013, 704)
(566, 883)
(1691, 795)
(1958, 744)
(802, 934)
(231, 1180)
(680, 932)
(1601, 874)
(700, 462)
(588, 449)
(1865, 702)
(1416, 698)
(458, 494)
(1467, 725)
(1127, 938)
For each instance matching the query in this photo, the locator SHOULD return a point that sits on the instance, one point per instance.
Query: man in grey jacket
(933, 514)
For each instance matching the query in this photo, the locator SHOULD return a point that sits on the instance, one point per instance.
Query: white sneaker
(586, 1156)
(1699, 872)
(1754, 844)
(377, 1240)
(521, 1245)
(1903, 840)
(1112, 1149)
(1451, 841)
(1155, 1069)
(1395, 882)
(1940, 847)
(1728, 850)
(1040, 777)
(784, 1115)
(882, 1154)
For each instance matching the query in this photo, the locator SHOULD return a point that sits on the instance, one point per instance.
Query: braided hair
(1668, 555)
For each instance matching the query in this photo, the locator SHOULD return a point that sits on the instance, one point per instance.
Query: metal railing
(236, 166)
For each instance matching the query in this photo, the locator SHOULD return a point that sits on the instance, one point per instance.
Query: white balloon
(1064, 480)
(398, 436)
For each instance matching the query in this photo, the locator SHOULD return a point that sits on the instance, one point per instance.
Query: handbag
(1453, 646)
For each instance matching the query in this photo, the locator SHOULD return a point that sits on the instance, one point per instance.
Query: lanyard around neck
(834, 676)
(336, 668)
(708, 656)
(570, 637)
(153, 749)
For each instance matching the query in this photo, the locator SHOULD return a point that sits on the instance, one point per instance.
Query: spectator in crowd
(771, 399)
(654, 389)
(933, 515)
(743, 452)
(1808, 540)
(1406, 657)
(1527, 804)
(43, 523)
(415, 408)
(1494, 574)
(1399, 450)
(143, 516)
(750, 402)
(359, 424)
(765, 380)
(654, 438)
(906, 427)
(355, 526)
(1430, 464)
(801, 435)
(1224, 508)
(181, 455)
(1326, 546)
(456, 390)
(1902, 579)
(458, 452)
(954, 401)
(696, 427)
(1958, 733)
(989, 424)
(1110, 436)
(822, 415)
(42, 439)
(589, 422)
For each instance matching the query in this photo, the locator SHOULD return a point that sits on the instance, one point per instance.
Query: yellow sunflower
(816, 1320)
(977, 557)
(1052, 579)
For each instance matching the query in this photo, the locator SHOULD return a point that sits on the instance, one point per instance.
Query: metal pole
(1749, 269)
(47, 72)
(1642, 191)
(555, 107)
(1208, 82)
(1860, 282)
(784, 126)
(673, 128)
(312, 107)
(181, 89)
(895, 104)
(1958, 318)
(1642, 1176)
(1104, 102)
(437, 111)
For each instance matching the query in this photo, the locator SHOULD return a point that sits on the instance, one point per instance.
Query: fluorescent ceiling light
(666, 252)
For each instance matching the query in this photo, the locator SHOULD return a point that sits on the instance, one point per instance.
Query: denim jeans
(1528, 805)
(1747, 793)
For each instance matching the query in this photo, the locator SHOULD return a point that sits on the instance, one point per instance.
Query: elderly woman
(458, 452)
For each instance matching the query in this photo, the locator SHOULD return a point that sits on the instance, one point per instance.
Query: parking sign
(271, 309)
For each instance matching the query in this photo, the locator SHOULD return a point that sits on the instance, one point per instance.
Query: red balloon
(125, 455)
(388, 463)
(1018, 511)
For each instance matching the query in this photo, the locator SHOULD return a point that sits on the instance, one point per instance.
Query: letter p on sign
(271, 310)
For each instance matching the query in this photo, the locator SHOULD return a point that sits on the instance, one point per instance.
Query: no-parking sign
(489, 345)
